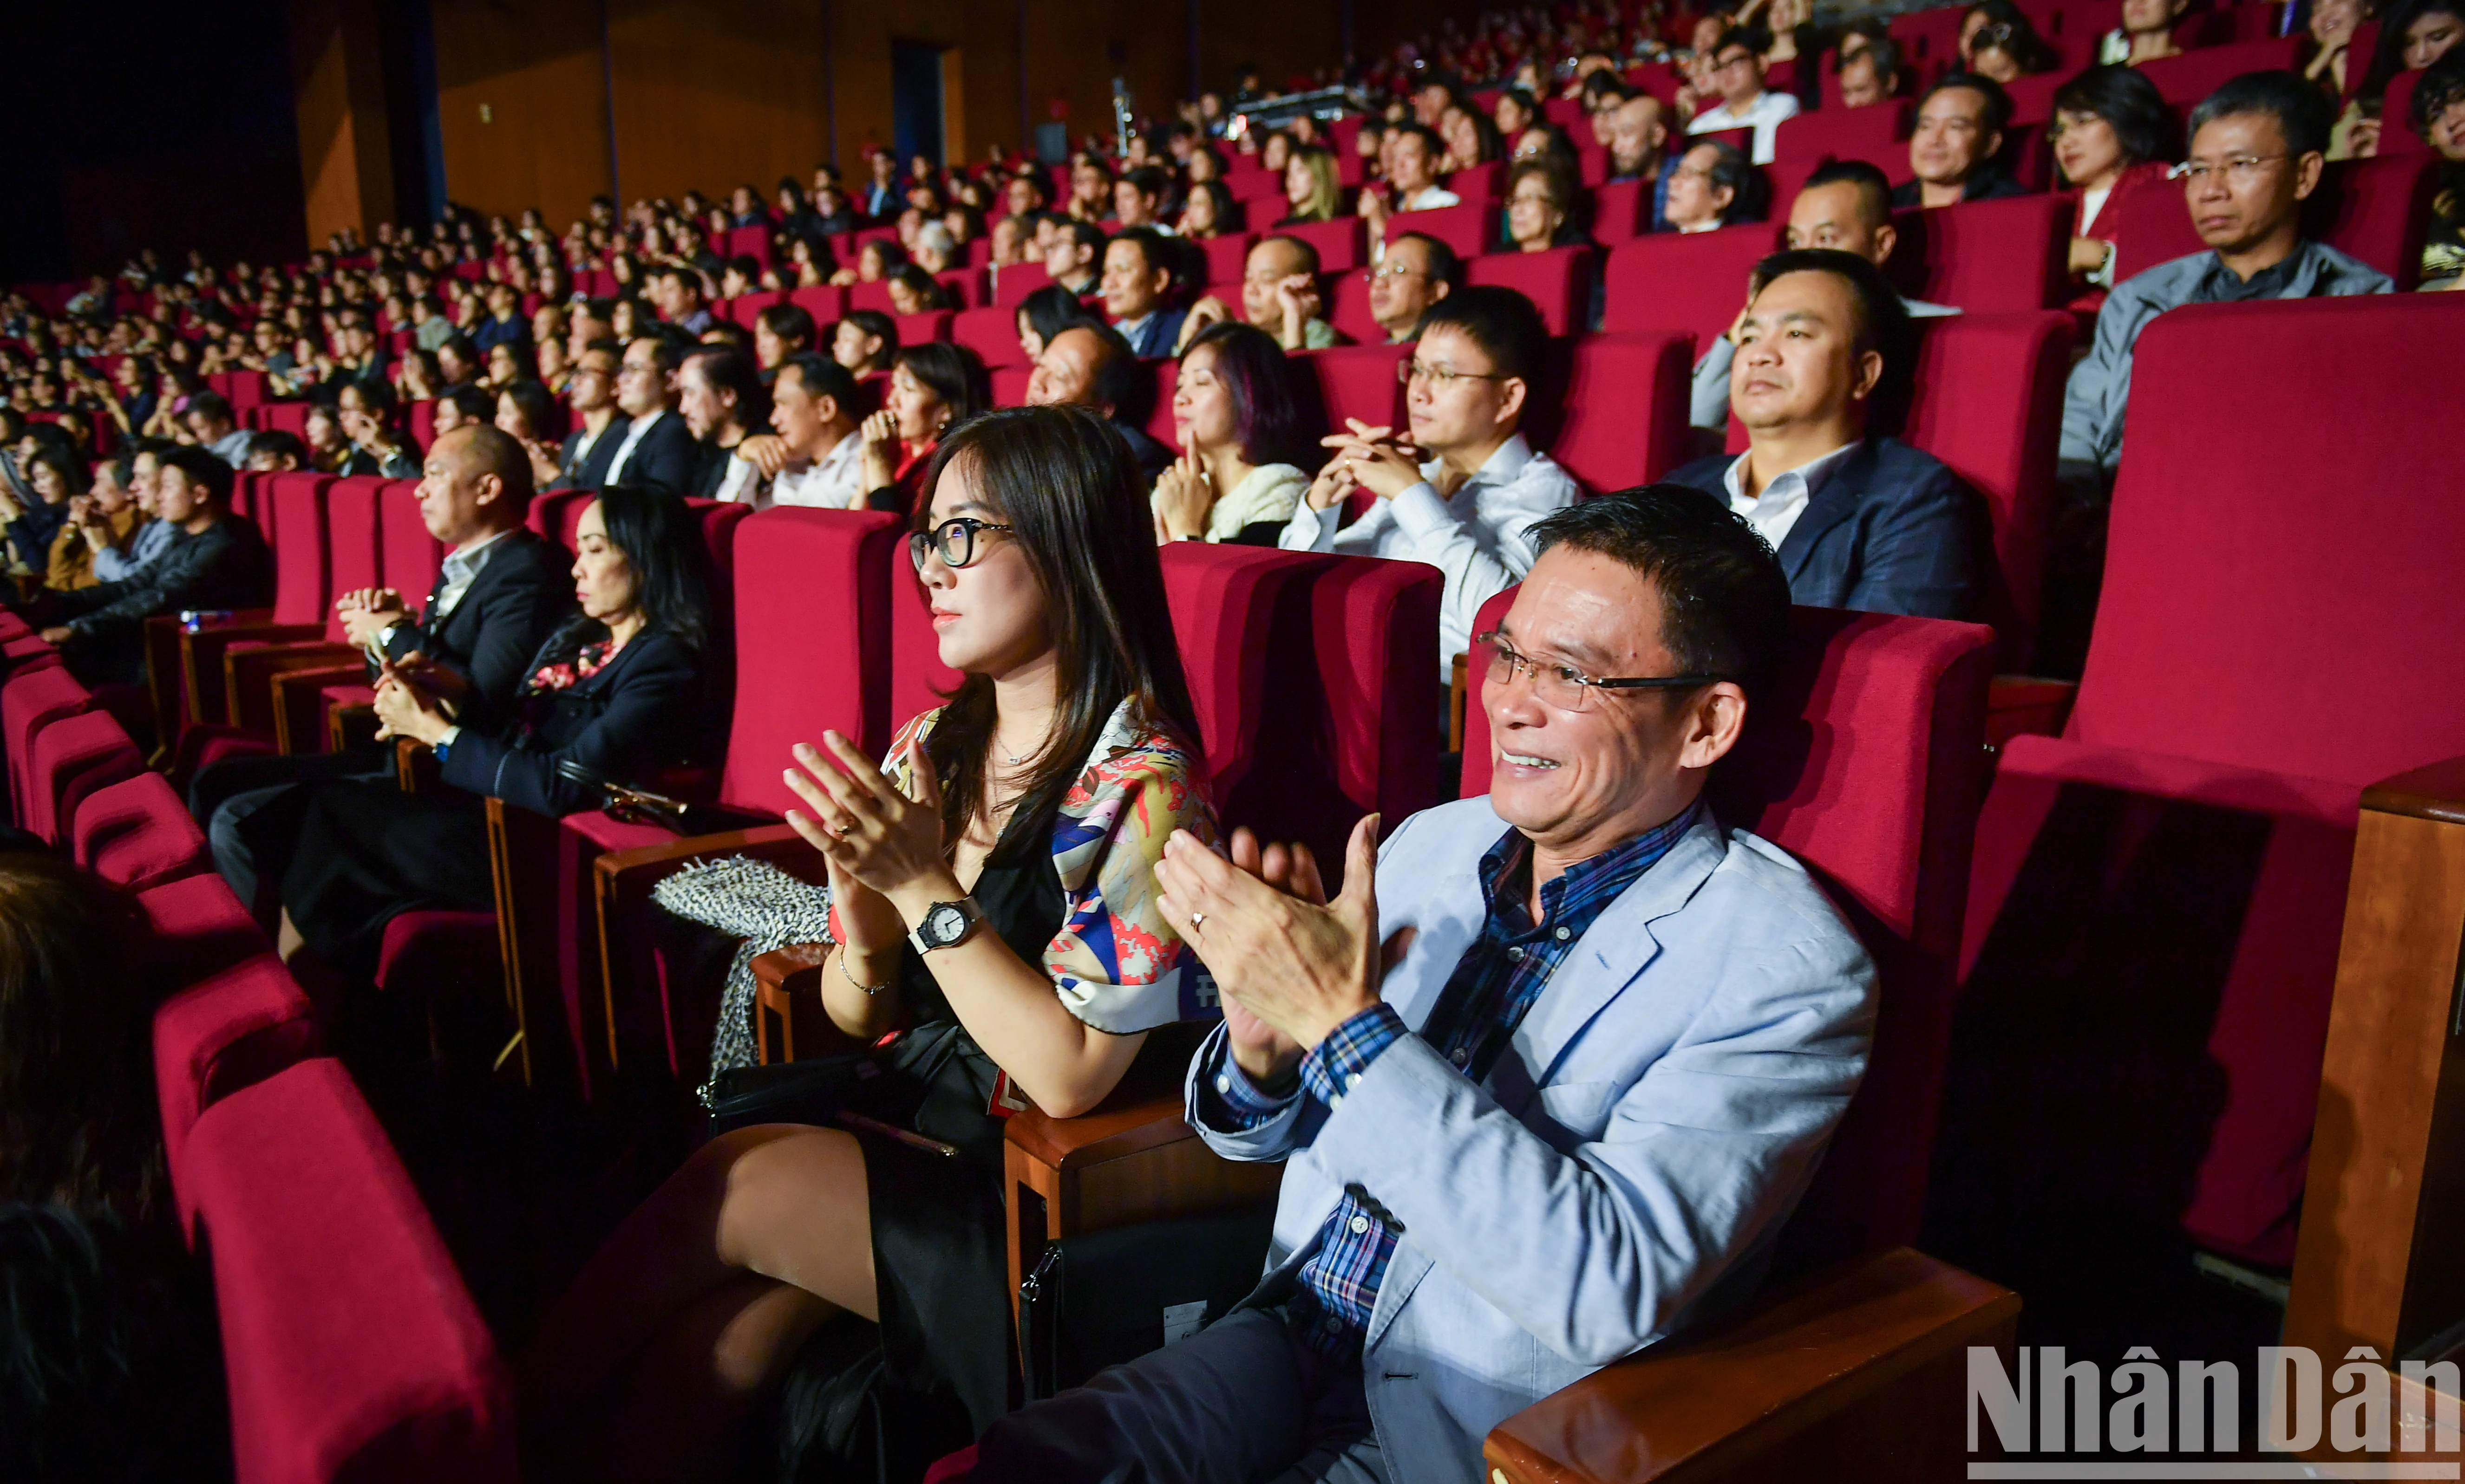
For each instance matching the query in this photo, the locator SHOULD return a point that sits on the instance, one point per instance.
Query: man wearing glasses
(1737, 72)
(1463, 490)
(1416, 271)
(1548, 1074)
(2257, 146)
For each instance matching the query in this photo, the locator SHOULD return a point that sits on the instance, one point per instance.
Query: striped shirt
(1494, 985)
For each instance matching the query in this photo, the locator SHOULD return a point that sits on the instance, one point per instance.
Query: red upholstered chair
(2194, 74)
(1467, 228)
(2396, 107)
(992, 334)
(135, 832)
(1621, 212)
(2158, 894)
(1684, 282)
(2375, 210)
(1622, 419)
(917, 329)
(2033, 98)
(1013, 283)
(69, 760)
(966, 287)
(1160, 424)
(1558, 282)
(230, 1029)
(873, 296)
(1009, 385)
(1478, 185)
(1342, 244)
(826, 302)
(745, 308)
(1226, 254)
(1348, 307)
(302, 590)
(352, 1349)
(354, 529)
(1988, 257)
(200, 928)
(1873, 133)
(749, 242)
(32, 699)
(419, 417)
(1358, 380)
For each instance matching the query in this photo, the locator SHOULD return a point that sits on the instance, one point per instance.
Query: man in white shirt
(816, 457)
(1464, 488)
(1412, 152)
(1858, 522)
(1846, 206)
(1737, 72)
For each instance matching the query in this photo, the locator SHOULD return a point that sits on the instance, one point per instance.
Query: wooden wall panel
(338, 96)
(535, 65)
(710, 94)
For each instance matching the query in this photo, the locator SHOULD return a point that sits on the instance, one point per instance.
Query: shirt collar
(1812, 474)
(1503, 466)
(1591, 885)
(2220, 284)
(472, 556)
(1131, 327)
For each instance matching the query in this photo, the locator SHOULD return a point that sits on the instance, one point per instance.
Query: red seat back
(1988, 257)
(1621, 212)
(303, 576)
(1684, 282)
(354, 541)
(752, 241)
(412, 556)
(917, 329)
(1559, 282)
(352, 1349)
(1861, 758)
(745, 308)
(1358, 380)
(1622, 418)
(2186, 80)
(826, 302)
(1874, 133)
(1013, 283)
(992, 334)
(420, 420)
(966, 287)
(1223, 256)
(812, 649)
(1464, 228)
(70, 759)
(1342, 244)
(200, 928)
(230, 1029)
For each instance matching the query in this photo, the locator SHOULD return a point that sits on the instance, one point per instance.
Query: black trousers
(251, 809)
(367, 852)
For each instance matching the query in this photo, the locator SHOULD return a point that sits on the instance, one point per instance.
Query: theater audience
(1416, 272)
(2414, 34)
(154, 534)
(2113, 137)
(1859, 521)
(2147, 33)
(2258, 144)
(611, 695)
(37, 518)
(460, 408)
(722, 399)
(1313, 191)
(913, 291)
(1075, 257)
(656, 449)
(1048, 963)
(275, 451)
(1412, 183)
(1714, 186)
(816, 456)
(1137, 279)
(102, 518)
(500, 591)
(1998, 40)
(1715, 1052)
(866, 341)
(1954, 149)
(209, 421)
(1744, 102)
(600, 424)
(1238, 426)
(1460, 486)
(2439, 117)
(525, 412)
(2333, 24)
(213, 559)
(1044, 314)
(1089, 364)
(779, 331)
(1206, 213)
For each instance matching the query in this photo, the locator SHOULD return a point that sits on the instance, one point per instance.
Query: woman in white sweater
(1235, 419)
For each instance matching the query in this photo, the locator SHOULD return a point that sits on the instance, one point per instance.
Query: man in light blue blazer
(1550, 1073)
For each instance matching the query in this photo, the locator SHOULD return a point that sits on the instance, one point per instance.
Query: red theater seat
(917, 329)
(200, 928)
(353, 1351)
(1621, 212)
(1988, 257)
(2184, 80)
(1222, 257)
(1359, 382)
(1623, 419)
(826, 302)
(231, 1028)
(1873, 133)
(68, 761)
(1467, 228)
(1684, 282)
(745, 308)
(966, 287)
(1342, 244)
(31, 700)
(1013, 283)
(1558, 282)
(2377, 211)
(2158, 894)
(991, 334)
(135, 832)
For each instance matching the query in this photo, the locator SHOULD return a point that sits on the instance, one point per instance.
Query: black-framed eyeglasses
(953, 540)
(1564, 687)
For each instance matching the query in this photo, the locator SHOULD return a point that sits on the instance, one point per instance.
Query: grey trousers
(1241, 1402)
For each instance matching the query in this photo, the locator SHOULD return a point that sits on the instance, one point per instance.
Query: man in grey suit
(1549, 1073)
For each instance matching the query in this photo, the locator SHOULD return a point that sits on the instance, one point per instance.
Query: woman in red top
(933, 385)
(2112, 137)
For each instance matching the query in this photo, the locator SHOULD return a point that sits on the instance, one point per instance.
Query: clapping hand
(405, 707)
(1184, 495)
(868, 832)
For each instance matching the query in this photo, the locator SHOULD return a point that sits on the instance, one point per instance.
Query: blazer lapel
(1617, 949)
(1829, 506)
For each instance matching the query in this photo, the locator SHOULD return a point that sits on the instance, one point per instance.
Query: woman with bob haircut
(1239, 429)
(1019, 824)
(2112, 137)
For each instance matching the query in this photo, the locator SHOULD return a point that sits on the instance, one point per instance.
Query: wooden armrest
(2434, 791)
(1857, 1373)
(787, 994)
(347, 727)
(777, 844)
(1117, 1128)
(201, 659)
(1458, 697)
(2018, 703)
(248, 689)
(162, 675)
(299, 702)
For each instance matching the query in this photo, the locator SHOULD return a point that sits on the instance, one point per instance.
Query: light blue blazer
(1630, 1160)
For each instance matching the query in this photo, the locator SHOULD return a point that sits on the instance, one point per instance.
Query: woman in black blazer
(611, 695)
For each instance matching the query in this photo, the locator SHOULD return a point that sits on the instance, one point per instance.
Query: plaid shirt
(1498, 981)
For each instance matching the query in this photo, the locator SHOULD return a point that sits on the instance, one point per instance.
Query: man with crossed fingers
(1550, 1073)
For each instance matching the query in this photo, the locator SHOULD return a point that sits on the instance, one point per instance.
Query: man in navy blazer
(1859, 521)
(1548, 1075)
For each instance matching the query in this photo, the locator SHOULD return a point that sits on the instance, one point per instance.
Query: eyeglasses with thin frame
(1439, 377)
(953, 540)
(2240, 169)
(1562, 686)
(1393, 271)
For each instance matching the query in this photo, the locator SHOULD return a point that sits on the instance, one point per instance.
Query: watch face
(944, 925)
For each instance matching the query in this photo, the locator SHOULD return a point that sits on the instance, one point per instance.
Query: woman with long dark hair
(932, 387)
(1044, 314)
(1239, 428)
(1016, 831)
(611, 695)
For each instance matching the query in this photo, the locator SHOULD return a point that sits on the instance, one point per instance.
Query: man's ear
(1512, 393)
(1718, 719)
(1870, 374)
(1886, 237)
(490, 488)
(1993, 146)
(2306, 174)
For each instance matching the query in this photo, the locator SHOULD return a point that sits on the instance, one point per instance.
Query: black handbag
(1108, 1296)
(810, 1091)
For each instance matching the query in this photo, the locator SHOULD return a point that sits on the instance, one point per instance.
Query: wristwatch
(946, 924)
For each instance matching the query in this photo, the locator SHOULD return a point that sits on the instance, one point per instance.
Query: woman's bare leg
(785, 1201)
